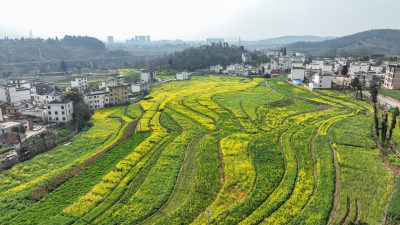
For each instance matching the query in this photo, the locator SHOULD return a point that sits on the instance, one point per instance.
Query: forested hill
(203, 57)
(69, 47)
(383, 41)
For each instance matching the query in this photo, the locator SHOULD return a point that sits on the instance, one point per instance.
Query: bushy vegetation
(203, 57)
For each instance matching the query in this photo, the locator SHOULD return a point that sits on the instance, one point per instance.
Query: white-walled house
(327, 67)
(321, 81)
(19, 83)
(46, 98)
(182, 76)
(357, 67)
(58, 111)
(13, 94)
(148, 76)
(112, 82)
(81, 83)
(137, 88)
(96, 99)
(7, 137)
(216, 69)
(297, 73)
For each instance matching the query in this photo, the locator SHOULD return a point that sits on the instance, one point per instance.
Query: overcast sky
(196, 19)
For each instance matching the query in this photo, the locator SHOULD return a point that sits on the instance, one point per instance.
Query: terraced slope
(248, 150)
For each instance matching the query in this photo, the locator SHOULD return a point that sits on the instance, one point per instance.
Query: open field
(248, 151)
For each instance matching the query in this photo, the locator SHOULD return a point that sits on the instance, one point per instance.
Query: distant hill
(284, 40)
(383, 41)
(70, 47)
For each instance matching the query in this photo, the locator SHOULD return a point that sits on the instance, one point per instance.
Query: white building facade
(13, 94)
(81, 83)
(46, 98)
(182, 76)
(60, 111)
(297, 73)
(321, 81)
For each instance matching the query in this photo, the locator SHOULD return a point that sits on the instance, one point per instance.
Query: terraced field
(245, 150)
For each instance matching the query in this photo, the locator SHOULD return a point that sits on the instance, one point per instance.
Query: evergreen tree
(373, 89)
(395, 114)
(384, 127)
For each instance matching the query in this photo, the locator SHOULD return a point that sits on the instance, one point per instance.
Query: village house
(138, 88)
(119, 94)
(11, 93)
(357, 67)
(96, 99)
(297, 74)
(47, 97)
(60, 111)
(321, 81)
(182, 76)
(148, 76)
(37, 113)
(7, 136)
(392, 77)
(112, 82)
(216, 69)
(40, 88)
(81, 83)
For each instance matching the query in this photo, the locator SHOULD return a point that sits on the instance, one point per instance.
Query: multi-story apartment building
(148, 76)
(97, 99)
(81, 83)
(392, 77)
(58, 111)
(119, 94)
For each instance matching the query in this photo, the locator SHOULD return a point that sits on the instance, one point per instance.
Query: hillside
(70, 47)
(284, 40)
(383, 41)
(216, 143)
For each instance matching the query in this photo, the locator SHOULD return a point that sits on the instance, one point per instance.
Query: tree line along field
(249, 151)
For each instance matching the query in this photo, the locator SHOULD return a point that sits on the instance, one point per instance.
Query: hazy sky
(196, 19)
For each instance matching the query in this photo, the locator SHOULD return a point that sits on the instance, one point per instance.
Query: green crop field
(248, 151)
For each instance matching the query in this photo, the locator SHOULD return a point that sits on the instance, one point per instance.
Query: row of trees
(385, 132)
(78, 41)
(203, 57)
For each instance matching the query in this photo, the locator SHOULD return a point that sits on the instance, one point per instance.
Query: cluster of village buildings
(29, 103)
(318, 73)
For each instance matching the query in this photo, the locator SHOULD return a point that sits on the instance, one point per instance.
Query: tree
(43, 137)
(344, 70)
(355, 84)
(81, 115)
(19, 130)
(384, 127)
(395, 114)
(373, 89)
(72, 95)
(63, 66)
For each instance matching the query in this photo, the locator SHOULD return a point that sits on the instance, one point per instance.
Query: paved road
(384, 100)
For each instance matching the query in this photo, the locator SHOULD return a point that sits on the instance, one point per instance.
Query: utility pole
(208, 213)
